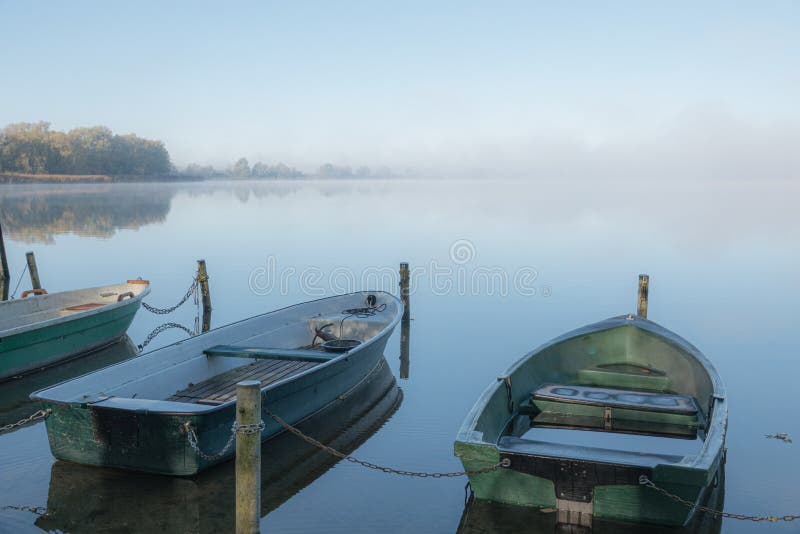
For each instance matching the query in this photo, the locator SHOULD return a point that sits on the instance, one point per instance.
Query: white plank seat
(617, 398)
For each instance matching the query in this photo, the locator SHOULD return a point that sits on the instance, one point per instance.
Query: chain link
(644, 481)
(342, 456)
(259, 427)
(161, 328)
(41, 414)
(163, 311)
(236, 428)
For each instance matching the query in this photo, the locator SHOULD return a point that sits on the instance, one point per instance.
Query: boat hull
(629, 502)
(76, 504)
(28, 351)
(623, 361)
(90, 434)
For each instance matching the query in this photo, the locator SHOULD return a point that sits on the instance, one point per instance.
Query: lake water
(498, 268)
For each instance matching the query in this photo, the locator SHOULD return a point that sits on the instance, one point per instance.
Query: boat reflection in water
(91, 499)
(15, 403)
(487, 517)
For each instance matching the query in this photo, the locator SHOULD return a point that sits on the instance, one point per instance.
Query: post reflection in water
(486, 517)
(405, 342)
(15, 403)
(90, 499)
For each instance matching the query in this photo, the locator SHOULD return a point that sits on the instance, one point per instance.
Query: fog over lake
(722, 257)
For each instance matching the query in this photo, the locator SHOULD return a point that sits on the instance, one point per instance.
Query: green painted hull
(157, 442)
(80, 497)
(123, 416)
(630, 503)
(25, 352)
(611, 490)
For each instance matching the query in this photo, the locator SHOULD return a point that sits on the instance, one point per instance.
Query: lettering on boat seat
(617, 398)
(80, 308)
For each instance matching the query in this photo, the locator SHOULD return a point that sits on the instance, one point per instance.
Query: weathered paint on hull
(612, 502)
(158, 443)
(22, 353)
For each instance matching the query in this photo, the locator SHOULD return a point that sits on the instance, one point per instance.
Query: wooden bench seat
(222, 388)
(235, 351)
(617, 398)
(612, 410)
(80, 308)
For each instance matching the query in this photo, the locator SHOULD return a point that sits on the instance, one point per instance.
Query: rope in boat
(644, 481)
(36, 416)
(359, 313)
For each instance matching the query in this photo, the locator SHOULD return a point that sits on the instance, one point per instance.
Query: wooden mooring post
(33, 270)
(248, 457)
(644, 287)
(405, 356)
(5, 277)
(404, 291)
(205, 293)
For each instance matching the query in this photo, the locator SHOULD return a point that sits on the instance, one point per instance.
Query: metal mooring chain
(41, 414)
(236, 428)
(160, 328)
(333, 452)
(644, 481)
(163, 311)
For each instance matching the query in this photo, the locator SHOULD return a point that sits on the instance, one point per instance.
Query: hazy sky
(558, 87)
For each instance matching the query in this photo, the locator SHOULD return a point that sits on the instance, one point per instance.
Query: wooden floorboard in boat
(230, 378)
(222, 387)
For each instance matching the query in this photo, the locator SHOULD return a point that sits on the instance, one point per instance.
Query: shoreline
(21, 178)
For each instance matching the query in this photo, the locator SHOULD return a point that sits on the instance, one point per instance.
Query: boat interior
(202, 372)
(628, 394)
(37, 308)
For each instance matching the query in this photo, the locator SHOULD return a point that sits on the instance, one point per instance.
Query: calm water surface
(500, 267)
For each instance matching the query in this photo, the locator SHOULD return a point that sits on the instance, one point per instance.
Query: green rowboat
(80, 497)
(170, 411)
(580, 419)
(46, 329)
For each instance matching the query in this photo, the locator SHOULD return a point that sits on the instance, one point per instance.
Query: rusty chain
(41, 414)
(342, 456)
(161, 328)
(236, 428)
(644, 481)
(191, 291)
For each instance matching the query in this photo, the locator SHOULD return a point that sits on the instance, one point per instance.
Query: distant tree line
(334, 171)
(242, 169)
(32, 148)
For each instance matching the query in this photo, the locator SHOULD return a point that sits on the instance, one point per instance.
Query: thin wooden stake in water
(404, 291)
(644, 285)
(405, 342)
(248, 458)
(34, 272)
(5, 277)
(205, 293)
